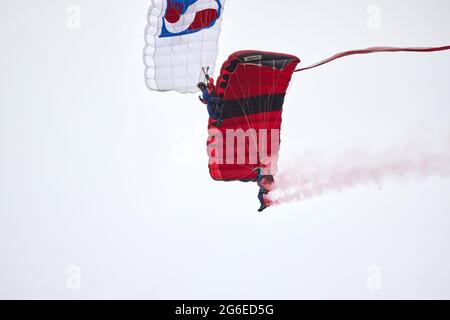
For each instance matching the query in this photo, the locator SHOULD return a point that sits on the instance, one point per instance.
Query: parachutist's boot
(263, 206)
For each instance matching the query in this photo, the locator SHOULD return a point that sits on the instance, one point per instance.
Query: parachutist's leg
(214, 114)
(261, 197)
(217, 123)
(215, 111)
(217, 101)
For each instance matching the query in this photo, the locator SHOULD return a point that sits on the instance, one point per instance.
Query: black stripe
(245, 107)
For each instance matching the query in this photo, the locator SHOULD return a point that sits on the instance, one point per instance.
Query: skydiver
(264, 182)
(213, 102)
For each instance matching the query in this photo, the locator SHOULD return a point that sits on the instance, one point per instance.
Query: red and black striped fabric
(252, 85)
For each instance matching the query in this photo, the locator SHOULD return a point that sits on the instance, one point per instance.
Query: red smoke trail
(314, 175)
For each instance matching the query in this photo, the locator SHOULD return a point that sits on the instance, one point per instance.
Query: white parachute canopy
(181, 38)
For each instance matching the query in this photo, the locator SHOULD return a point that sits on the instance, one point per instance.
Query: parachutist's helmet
(202, 86)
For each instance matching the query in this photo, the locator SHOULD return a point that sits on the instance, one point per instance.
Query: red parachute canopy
(252, 85)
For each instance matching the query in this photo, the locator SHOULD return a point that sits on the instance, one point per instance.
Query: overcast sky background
(105, 182)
